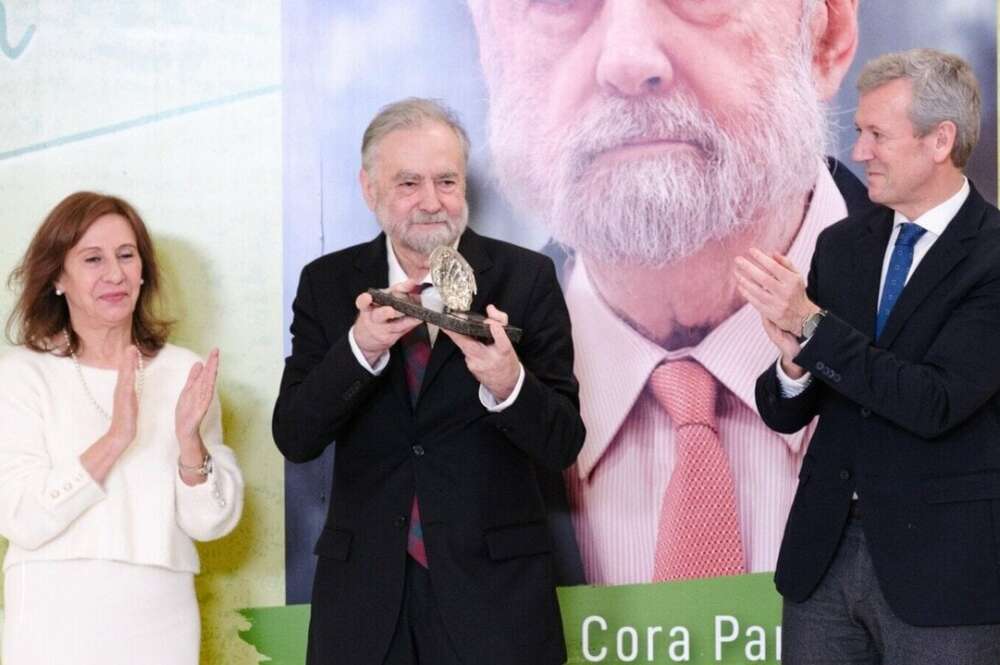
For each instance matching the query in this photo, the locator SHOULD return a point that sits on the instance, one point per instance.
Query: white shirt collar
(937, 218)
(396, 272)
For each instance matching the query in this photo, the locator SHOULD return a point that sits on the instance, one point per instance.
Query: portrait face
(898, 163)
(639, 131)
(416, 187)
(102, 275)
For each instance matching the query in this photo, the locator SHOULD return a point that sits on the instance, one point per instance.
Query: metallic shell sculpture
(454, 279)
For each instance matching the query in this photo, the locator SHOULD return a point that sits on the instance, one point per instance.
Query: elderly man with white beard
(658, 141)
(435, 548)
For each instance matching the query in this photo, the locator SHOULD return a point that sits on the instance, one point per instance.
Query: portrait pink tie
(699, 530)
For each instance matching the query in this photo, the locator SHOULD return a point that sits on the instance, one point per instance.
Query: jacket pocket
(334, 544)
(980, 486)
(519, 540)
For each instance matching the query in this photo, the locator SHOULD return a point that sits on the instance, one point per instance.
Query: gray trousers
(846, 621)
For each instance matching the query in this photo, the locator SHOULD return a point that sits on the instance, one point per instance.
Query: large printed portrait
(642, 146)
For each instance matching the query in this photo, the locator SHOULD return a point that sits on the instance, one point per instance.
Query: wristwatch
(810, 323)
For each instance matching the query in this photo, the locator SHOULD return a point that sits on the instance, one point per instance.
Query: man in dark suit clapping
(891, 554)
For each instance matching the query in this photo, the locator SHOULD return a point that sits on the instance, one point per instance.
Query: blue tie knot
(899, 270)
(909, 234)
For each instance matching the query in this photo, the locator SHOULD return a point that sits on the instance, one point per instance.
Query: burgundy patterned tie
(699, 529)
(416, 346)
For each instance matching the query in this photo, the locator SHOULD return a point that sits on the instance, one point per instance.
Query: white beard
(424, 242)
(655, 209)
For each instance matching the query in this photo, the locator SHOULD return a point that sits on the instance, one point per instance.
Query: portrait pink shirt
(617, 484)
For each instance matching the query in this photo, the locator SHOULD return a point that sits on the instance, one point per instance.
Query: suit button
(820, 365)
(418, 450)
(845, 474)
(400, 521)
(865, 412)
(836, 377)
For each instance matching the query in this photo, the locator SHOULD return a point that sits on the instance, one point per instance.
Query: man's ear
(944, 136)
(367, 188)
(834, 29)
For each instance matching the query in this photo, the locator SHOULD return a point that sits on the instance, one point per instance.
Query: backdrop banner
(235, 129)
(540, 90)
(721, 620)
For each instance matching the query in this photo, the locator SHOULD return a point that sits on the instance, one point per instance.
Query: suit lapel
(947, 252)
(372, 271)
(371, 266)
(471, 246)
(868, 254)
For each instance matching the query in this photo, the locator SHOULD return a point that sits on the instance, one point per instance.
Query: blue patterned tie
(899, 268)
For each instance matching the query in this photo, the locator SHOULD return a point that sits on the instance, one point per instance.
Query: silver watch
(810, 323)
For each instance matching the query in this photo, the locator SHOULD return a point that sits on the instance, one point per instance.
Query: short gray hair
(409, 113)
(944, 89)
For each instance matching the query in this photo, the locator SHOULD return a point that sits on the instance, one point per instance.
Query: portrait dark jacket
(910, 421)
(484, 521)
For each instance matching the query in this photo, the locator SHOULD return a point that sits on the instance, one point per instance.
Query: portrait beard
(423, 241)
(654, 209)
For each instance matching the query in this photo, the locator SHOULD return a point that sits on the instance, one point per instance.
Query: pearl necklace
(83, 381)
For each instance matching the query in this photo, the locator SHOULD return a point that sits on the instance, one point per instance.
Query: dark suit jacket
(307, 486)
(911, 421)
(482, 512)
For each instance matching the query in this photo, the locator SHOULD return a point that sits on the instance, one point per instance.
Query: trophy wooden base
(466, 323)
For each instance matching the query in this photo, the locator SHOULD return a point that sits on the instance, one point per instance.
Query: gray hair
(409, 113)
(944, 89)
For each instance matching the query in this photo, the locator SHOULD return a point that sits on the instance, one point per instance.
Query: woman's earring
(59, 291)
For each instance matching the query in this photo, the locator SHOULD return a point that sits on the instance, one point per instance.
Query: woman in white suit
(111, 453)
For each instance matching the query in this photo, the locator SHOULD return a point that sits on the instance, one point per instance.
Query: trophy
(455, 281)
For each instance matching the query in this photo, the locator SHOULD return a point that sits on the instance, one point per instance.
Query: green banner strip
(727, 620)
(279, 633)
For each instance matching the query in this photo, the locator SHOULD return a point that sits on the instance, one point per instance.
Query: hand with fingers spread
(495, 366)
(773, 286)
(378, 327)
